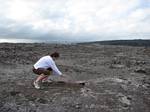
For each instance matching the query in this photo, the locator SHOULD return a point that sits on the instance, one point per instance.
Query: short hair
(55, 54)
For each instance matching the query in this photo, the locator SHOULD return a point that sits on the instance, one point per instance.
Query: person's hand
(63, 75)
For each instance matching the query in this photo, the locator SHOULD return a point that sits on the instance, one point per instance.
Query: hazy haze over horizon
(74, 20)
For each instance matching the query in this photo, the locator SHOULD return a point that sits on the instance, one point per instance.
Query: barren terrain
(117, 78)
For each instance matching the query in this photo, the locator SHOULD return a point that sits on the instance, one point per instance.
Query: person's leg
(41, 77)
(43, 73)
(45, 79)
(48, 72)
(37, 81)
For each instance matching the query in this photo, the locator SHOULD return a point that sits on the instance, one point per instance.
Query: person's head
(55, 55)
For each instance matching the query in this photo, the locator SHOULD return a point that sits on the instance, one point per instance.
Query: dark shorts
(44, 71)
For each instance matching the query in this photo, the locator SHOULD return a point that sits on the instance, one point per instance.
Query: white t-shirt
(47, 62)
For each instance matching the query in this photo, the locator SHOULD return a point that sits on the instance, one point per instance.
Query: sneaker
(36, 85)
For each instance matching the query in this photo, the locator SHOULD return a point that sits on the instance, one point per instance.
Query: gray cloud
(74, 19)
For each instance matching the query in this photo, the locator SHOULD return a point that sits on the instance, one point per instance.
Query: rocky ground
(117, 78)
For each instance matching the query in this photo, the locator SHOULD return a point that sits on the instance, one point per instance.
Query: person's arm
(62, 76)
(55, 69)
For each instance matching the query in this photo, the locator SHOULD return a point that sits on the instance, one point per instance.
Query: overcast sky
(75, 19)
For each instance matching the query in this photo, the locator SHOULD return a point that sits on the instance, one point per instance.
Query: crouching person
(44, 68)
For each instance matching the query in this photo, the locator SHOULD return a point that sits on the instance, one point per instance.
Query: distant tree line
(145, 43)
(139, 42)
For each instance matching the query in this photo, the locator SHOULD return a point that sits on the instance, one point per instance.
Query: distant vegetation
(145, 43)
